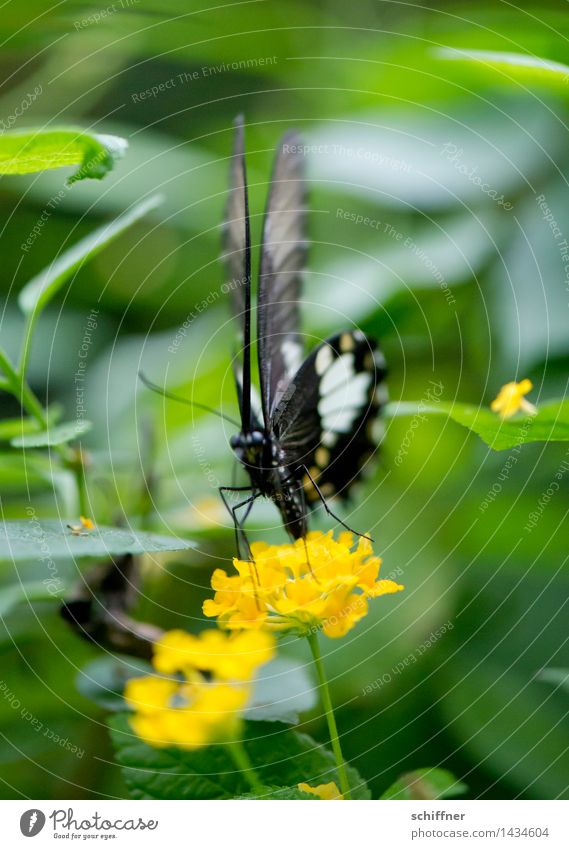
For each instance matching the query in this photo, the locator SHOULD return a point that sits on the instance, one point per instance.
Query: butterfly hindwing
(325, 421)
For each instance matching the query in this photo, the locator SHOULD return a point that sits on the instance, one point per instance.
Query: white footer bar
(273, 825)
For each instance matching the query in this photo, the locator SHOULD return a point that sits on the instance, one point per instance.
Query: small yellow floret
(510, 399)
(323, 791)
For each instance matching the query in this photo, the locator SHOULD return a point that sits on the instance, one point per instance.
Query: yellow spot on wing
(369, 361)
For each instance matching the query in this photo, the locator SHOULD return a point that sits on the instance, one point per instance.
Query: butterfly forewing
(256, 406)
(325, 421)
(283, 256)
(237, 255)
(234, 241)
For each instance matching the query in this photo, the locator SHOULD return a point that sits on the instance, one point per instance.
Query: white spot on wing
(381, 395)
(377, 431)
(340, 421)
(329, 438)
(339, 372)
(256, 406)
(379, 359)
(292, 356)
(323, 359)
(354, 395)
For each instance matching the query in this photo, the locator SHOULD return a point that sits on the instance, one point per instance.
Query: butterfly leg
(327, 508)
(232, 510)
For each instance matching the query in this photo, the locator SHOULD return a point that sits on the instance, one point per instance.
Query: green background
(473, 293)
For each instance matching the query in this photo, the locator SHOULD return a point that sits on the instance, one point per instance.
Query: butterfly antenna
(173, 397)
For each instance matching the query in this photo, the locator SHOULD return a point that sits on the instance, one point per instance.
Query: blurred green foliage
(462, 288)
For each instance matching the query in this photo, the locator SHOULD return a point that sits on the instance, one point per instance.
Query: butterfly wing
(256, 406)
(283, 255)
(325, 419)
(234, 245)
(236, 242)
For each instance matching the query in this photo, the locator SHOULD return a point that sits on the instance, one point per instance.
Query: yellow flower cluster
(310, 584)
(510, 399)
(322, 791)
(204, 703)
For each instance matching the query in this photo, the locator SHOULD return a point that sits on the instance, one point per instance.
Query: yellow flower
(230, 657)
(510, 399)
(312, 583)
(82, 529)
(195, 711)
(323, 791)
(189, 715)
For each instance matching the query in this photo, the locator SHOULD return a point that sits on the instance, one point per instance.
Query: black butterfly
(311, 434)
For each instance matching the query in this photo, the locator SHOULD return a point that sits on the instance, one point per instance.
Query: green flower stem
(330, 718)
(17, 385)
(77, 466)
(31, 404)
(12, 378)
(27, 343)
(241, 760)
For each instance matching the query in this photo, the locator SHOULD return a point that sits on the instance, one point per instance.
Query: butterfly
(312, 430)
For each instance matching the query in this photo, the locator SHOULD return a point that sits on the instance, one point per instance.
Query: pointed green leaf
(50, 539)
(550, 424)
(12, 428)
(42, 288)
(429, 783)
(522, 66)
(58, 435)
(29, 151)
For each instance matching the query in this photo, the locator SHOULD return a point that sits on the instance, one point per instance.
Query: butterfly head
(248, 447)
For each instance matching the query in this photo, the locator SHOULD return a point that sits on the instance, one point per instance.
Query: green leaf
(282, 793)
(428, 783)
(103, 680)
(42, 150)
(518, 65)
(550, 424)
(45, 539)
(42, 288)
(559, 677)
(280, 756)
(17, 594)
(282, 691)
(11, 428)
(58, 435)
